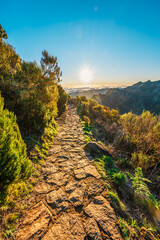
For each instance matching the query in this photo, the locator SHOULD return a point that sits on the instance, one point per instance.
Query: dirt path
(70, 201)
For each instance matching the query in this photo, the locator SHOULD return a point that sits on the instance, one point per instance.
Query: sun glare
(86, 74)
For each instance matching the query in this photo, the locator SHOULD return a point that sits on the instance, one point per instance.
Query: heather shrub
(141, 137)
(94, 111)
(14, 164)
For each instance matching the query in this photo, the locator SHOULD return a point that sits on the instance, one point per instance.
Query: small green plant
(148, 225)
(128, 229)
(142, 192)
(87, 139)
(115, 199)
(124, 229)
(119, 178)
(99, 142)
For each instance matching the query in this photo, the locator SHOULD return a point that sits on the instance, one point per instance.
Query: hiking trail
(69, 201)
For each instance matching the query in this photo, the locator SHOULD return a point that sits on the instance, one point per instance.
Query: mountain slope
(135, 98)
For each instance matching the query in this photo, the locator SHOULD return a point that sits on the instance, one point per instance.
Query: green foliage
(62, 101)
(87, 128)
(14, 164)
(31, 91)
(142, 193)
(128, 229)
(118, 178)
(149, 225)
(139, 159)
(10, 62)
(142, 135)
(87, 120)
(91, 109)
(50, 67)
(123, 162)
(40, 150)
(115, 200)
(107, 168)
(106, 121)
(87, 139)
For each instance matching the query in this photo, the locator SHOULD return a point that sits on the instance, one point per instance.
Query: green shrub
(139, 159)
(62, 101)
(141, 138)
(14, 164)
(119, 178)
(87, 139)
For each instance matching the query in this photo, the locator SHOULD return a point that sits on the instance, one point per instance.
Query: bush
(118, 178)
(62, 101)
(141, 138)
(14, 164)
(32, 92)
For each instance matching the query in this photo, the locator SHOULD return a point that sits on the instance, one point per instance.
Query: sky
(105, 42)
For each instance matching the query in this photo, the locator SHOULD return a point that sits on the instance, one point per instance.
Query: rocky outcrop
(96, 149)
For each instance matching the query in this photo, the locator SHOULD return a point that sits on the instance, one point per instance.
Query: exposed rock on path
(69, 200)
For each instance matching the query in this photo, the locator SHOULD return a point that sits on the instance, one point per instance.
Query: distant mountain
(135, 98)
(86, 92)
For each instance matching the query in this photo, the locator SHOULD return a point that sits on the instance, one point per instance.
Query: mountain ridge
(136, 98)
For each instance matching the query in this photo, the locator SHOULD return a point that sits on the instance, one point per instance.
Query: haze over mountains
(136, 98)
(88, 92)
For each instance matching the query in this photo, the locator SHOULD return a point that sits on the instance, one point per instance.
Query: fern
(141, 189)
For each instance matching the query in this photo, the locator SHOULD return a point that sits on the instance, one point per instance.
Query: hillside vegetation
(133, 172)
(31, 98)
(135, 98)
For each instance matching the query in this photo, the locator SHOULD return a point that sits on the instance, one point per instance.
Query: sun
(86, 74)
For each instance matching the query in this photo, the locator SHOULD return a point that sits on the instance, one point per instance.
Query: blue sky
(118, 40)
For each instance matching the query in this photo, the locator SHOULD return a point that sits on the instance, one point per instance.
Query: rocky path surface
(70, 201)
